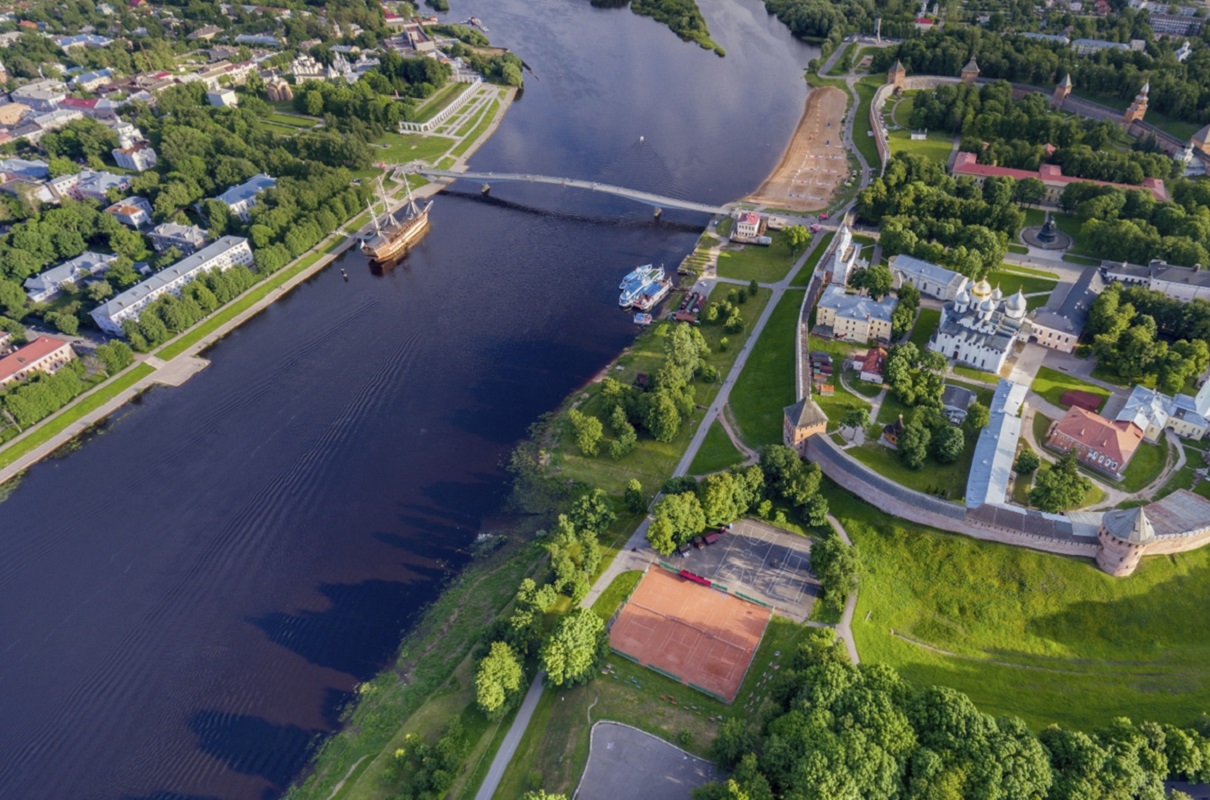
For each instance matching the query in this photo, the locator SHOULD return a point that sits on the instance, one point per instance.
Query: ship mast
(386, 204)
(412, 210)
(373, 216)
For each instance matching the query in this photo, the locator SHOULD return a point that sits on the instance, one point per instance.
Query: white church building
(931, 279)
(979, 327)
(844, 259)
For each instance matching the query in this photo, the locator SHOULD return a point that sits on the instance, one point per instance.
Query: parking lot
(762, 562)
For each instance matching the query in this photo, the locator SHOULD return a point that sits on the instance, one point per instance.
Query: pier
(659, 202)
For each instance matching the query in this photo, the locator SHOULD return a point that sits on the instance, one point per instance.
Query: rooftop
(247, 190)
(1073, 311)
(1116, 441)
(910, 265)
(968, 164)
(161, 279)
(856, 306)
(22, 358)
(1181, 512)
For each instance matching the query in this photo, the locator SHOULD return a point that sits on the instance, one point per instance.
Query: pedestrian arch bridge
(659, 202)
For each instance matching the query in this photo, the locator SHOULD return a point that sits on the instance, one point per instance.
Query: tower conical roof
(971, 66)
(1129, 524)
(898, 66)
(1066, 84)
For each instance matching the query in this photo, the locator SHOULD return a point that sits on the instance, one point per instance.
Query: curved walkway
(844, 628)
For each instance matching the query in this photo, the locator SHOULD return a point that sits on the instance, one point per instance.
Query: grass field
(480, 126)
(401, 148)
(1066, 223)
(935, 147)
(651, 461)
(941, 480)
(862, 134)
(554, 749)
(803, 278)
(1051, 384)
(977, 375)
(927, 321)
(716, 453)
(843, 399)
(1077, 646)
(765, 264)
(440, 100)
(85, 404)
(1037, 273)
(293, 120)
(1010, 282)
(1146, 465)
(766, 385)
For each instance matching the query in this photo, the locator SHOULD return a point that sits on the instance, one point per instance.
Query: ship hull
(388, 246)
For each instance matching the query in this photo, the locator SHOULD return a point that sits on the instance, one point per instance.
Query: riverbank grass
(765, 264)
(1043, 637)
(766, 384)
(716, 453)
(650, 462)
(803, 278)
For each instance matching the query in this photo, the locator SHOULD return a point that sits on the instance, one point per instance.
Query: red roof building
(873, 364)
(1050, 174)
(1098, 443)
(78, 103)
(43, 354)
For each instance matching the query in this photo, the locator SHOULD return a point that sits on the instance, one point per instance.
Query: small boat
(635, 288)
(652, 294)
(642, 319)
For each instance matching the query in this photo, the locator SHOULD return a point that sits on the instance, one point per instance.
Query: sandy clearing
(815, 162)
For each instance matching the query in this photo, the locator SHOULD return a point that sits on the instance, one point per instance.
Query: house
(873, 364)
(133, 211)
(186, 238)
(955, 402)
(1086, 47)
(49, 283)
(1060, 328)
(241, 198)
(90, 185)
(1098, 443)
(1154, 413)
(222, 98)
(44, 354)
(31, 169)
(1051, 175)
(57, 119)
(205, 33)
(139, 157)
(1179, 283)
(91, 40)
(91, 81)
(223, 254)
(853, 317)
(43, 95)
(844, 257)
(749, 225)
(931, 279)
(979, 328)
(996, 450)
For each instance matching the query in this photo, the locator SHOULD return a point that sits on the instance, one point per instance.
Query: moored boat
(393, 235)
(652, 294)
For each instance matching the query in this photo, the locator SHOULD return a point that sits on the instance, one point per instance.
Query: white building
(241, 198)
(304, 67)
(223, 254)
(992, 465)
(222, 98)
(931, 279)
(1179, 283)
(44, 95)
(186, 238)
(1154, 413)
(747, 225)
(978, 328)
(855, 317)
(138, 157)
(844, 259)
(48, 284)
(133, 211)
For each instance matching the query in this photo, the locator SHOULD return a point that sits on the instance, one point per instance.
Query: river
(190, 595)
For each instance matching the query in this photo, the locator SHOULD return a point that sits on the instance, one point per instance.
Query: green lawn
(977, 375)
(438, 102)
(765, 264)
(927, 321)
(293, 120)
(1146, 465)
(862, 134)
(1051, 384)
(397, 148)
(936, 146)
(83, 405)
(1037, 273)
(766, 385)
(843, 400)
(484, 121)
(803, 278)
(1066, 223)
(1019, 249)
(716, 453)
(616, 593)
(1078, 647)
(1010, 282)
(651, 462)
(941, 480)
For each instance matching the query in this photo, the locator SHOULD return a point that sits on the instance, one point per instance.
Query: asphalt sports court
(625, 763)
(761, 562)
(697, 635)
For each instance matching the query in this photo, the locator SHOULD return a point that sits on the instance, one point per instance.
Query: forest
(1133, 226)
(924, 212)
(843, 731)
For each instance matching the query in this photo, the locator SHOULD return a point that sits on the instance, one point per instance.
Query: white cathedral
(979, 327)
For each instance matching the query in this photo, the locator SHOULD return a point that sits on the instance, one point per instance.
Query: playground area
(700, 636)
(815, 163)
(762, 563)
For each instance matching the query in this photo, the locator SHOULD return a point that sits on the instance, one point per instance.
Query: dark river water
(187, 598)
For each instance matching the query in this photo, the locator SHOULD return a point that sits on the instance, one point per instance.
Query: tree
(1029, 191)
(912, 445)
(876, 280)
(855, 417)
(661, 416)
(1060, 487)
(498, 681)
(683, 513)
(587, 430)
(63, 322)
(904, 315)
(797, 237)
(542, 795)
(636, 501)
(1027, 462)
(573, 653)
(661, 535)
(977, 416)
(947, 444)
(835, 564)
(735, 739)
(12, 299)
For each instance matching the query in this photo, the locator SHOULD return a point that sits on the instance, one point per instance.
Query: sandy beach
(815, 162)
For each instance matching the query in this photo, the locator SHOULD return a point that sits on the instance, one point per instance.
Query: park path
(508, 747)
(844, 628)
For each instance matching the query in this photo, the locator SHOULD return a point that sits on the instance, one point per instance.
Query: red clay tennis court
(699, 636)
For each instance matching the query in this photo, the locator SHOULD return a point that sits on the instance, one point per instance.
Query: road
(508, 747)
